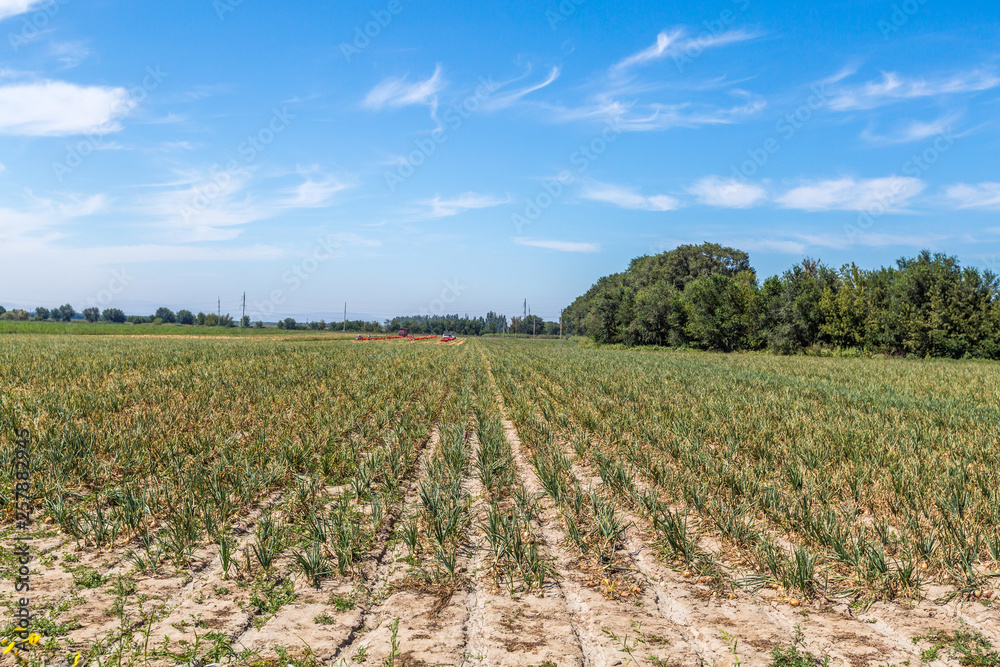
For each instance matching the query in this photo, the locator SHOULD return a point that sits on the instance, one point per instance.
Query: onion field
(311, 500)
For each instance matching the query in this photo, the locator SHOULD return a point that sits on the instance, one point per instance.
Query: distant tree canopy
(166, 315)
(64, 313)
(707, 297)
(492, 323)
(439, 324)
(113, 315)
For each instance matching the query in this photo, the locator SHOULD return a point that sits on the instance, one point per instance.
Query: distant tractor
(403, 333)
(447, 337)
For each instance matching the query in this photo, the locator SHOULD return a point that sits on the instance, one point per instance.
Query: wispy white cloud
(981, 195)
(314, 192)
(893, 88)
(145, 253)
(914, 130)
(872, 240)
(886, 195)
(10, 8)
(664, 116)
(626, 100)
(205, 206)
(659, 50)
(399, 93)
(727, 193)
(56, 108)
(558, 246)
(502, 101)
(657, 117)
(69, 54)
(676, 43)
(176, 146)
(169, 119)
(629, 198)
(446, 207)
(152, 252)
(44, 217)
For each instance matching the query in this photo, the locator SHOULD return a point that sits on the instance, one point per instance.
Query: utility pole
(525, 316)
(220, 306)
(244, 318)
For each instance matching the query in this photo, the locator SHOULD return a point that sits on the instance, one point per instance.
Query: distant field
(78, 328)
(509, 501)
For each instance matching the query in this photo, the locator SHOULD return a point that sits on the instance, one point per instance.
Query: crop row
(845, 480)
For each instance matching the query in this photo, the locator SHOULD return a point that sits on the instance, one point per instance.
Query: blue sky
(413, 157)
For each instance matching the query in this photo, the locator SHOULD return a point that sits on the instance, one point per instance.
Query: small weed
(393, 644)
(967, 645)
(793, 654)
(87, 578)
(341, 603)
(267, 596)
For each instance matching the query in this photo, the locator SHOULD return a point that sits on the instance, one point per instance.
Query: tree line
(708, 297)
(463, 325)
(67, 313)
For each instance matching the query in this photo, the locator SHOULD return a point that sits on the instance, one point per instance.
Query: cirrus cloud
(727, 192)
(399, 93)
(447, 207)
(676, 42)
(982, 195)
(558, 246)
(892, 88)
(627, 198)
(890, 194)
